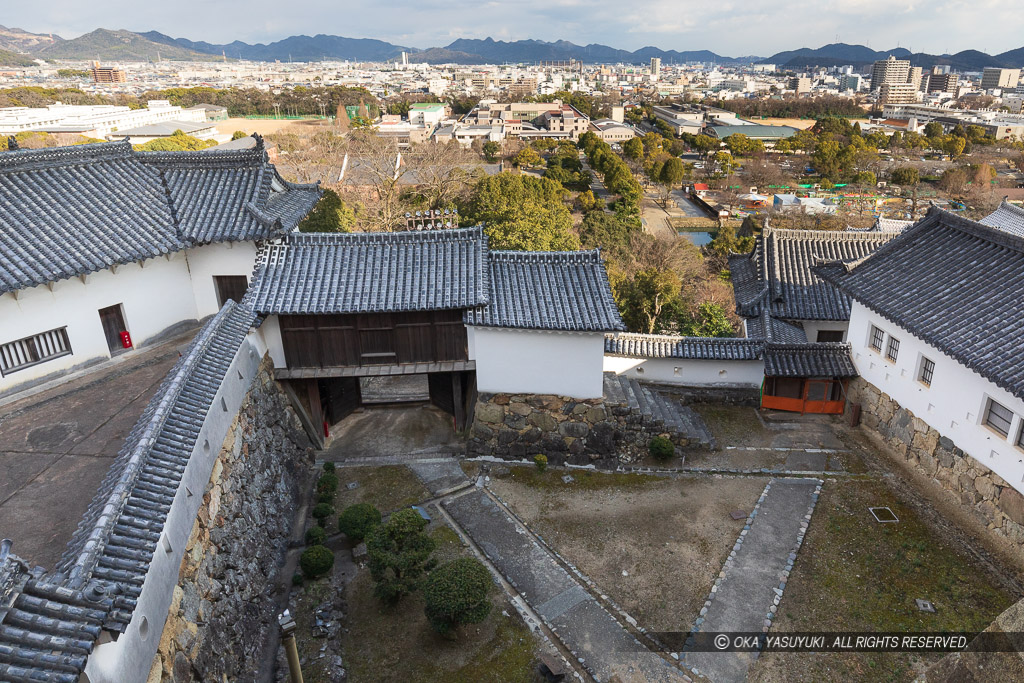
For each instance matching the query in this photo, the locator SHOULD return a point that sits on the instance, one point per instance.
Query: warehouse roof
(957, 284)
(686, 348)
(67, 211)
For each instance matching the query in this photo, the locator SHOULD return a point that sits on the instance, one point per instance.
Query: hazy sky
(728, 27)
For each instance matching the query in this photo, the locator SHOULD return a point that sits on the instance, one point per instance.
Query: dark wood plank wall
(328, 341)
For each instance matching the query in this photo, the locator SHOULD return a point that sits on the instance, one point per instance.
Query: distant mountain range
(18, 47)
(838, 54)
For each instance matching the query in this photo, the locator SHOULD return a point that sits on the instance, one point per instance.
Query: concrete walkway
(596, 639)
(755, 575)
(440, 475)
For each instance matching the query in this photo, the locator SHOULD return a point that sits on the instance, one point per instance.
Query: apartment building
(889, 70)
(993, 78)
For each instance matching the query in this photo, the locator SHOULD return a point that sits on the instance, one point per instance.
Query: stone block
(1012, 504)
(580, 409)
(983, 485)
(490, 413)
(520, 409)
(574, 429)
(507, 436)
(552, 444)
(515, 421)
(542, 420)
(501, 399)
(531, 435)
(595, 414)
(482, 431)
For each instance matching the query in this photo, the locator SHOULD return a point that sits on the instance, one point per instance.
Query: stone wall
(991, 499)
(566, 430)
(223, 612)
(723, 394)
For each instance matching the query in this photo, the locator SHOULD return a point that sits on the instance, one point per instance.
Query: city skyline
(730, 28)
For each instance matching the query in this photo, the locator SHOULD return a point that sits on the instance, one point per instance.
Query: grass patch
(388, 488)
(855, 574)
(551, 479)
(396, 644)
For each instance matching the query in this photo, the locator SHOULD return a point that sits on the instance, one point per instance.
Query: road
(687, 205)
(596, 184)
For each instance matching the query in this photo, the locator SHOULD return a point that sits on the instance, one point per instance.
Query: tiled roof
(688, 348)
(367, 272)
(118, 534)
(954, 283)
(46, 630)
(556, 290)
(1008, 217)
(818, 359)
(67, 211)
(777, 273)
(773, 329)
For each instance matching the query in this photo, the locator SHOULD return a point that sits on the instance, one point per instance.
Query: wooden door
(230, 287)
(112, 320)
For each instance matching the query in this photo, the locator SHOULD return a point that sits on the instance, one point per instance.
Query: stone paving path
(597, 640)
(755, 575)
(441, 476)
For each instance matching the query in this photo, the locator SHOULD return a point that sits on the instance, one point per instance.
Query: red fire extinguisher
(126, 339)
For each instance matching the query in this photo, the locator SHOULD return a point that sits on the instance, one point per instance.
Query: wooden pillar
(459, 401)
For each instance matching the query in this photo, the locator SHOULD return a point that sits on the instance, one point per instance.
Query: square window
(877, 336)
(893, 350)
(998, 417)
(927, 371)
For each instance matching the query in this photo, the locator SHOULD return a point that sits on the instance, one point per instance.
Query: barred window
(927, 371)
(876, 338)
(39, 348)
(1020, 436)
(893, 350)
(998, 417)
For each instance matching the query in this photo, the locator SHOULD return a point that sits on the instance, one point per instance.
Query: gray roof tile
(955, 283)
(689, 348)
(67, 211)
(371, 272)
(1007, 217)
(118, 534)
(777, 273)
(557, 290)
(817, 359)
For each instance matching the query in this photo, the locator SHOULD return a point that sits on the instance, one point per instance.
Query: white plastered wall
(154, 296)
(954, 403)
(693, 373)
(519, 361)
(207, 261)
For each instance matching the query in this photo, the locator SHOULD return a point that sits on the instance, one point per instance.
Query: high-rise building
(889, 70)
(850, 82)
(107, 74)
(655, 66)
(914, 76)
(799, 84)
(897, 93)
(999, 78)
(946, 82)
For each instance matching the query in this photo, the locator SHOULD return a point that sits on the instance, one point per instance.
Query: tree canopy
(523, 213)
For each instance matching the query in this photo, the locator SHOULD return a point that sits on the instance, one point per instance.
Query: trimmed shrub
(399, 554)
(327, 483)
(325, 497)
(661, 449)
(328, 467)
(541, 461)
(456, 593)
(316, 561)
(321, 512)
(315, 535)
(297, 579)
(357, 521)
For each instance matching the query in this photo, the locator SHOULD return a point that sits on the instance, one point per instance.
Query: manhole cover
(925, 605)
(738, 514)
(884, 515)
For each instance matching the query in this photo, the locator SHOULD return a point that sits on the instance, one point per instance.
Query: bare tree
(375, 169)
(440, 171)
